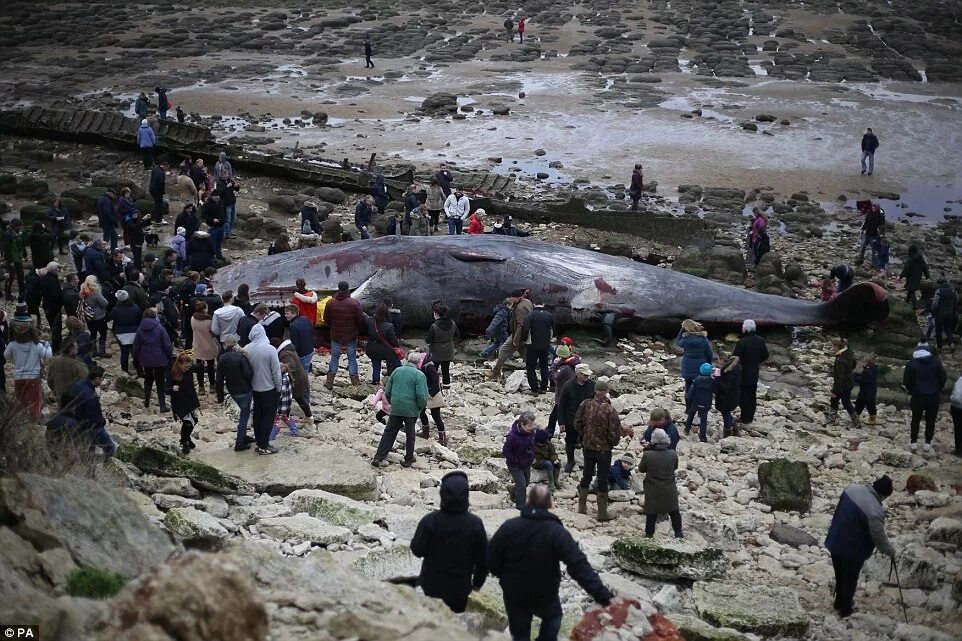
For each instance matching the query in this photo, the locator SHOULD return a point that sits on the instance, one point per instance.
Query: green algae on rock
(765, 610)
(669, 560)
(162, 463)
(785, 485)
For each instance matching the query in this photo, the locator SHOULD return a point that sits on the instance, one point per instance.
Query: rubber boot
(582, 500)
(856, 421)
(442, 439)
(603, 507)
(872, 420)
(355, 379)
(425, 431)
(329, 381)
(556, 475)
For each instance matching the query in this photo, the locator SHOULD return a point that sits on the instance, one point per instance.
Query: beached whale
(471, 274)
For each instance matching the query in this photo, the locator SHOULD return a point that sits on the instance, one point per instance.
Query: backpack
(84, 311)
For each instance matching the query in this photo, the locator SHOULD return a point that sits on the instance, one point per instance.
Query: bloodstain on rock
(916, 482)
(604, 287)
(597, 621)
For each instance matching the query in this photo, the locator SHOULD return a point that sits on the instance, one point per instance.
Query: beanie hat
(563, 351)
(22, 313)
(628, 458)
(122, 295)
(200, 289)
(705, 369)
(541, 436)
(143, 122)
(883, 486)
(748, 326)
(181, 231)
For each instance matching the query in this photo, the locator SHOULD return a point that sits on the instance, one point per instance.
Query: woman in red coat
(306, 301)
(476, 222)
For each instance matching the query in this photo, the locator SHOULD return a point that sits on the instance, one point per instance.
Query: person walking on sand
(858, 527)
(368, 50)
(521, 28)
(869, 145)
(636, 186)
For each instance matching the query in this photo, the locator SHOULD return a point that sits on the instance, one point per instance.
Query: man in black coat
(453, 544)
(634, 191)
(572, 395)
(869, 145)
(536, 331)
(158, 187)
(107, 217)
(368, 51)
(525, 554)
(445, 179)
(751, 351)
(234, 373)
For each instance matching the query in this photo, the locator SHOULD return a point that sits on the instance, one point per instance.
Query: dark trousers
(187, 332)
(98, 334)
(148, 155)
(265, 408)
(436, 415)
(456, 601)
(369, 64)
(14, 270)
(956, 413)
(211, 368)
(927, 404)
(702, 413)
(572, 440)
(110, 236)
(597, 464)
(519, 621)
(137, 249)
(394, 425)
(125, 351)
(845, 398)
(634, 202)
(552, 421)
(944, 324)
(537, 358)
(435, 215)
(444, 367)
(158, 214)
(55, 320)
(652, 519)
(862, 404)
(846, 580)
(748, 402)
(911, 297)
(155, 375)
(688, 384)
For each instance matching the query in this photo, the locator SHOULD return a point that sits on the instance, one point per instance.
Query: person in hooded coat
(442, 338)
(266, 384)
(914, 269)
(924, 378)
(453, 544)
(726, 388)
(153, 351)
(183, 399)
(200, 251)
(379, 191)
(693, 340)
(381, 342)
(843, 381)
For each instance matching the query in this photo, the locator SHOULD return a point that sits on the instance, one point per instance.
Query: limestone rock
(303, 528)
(480, 480)
(60, 619)
(300, 465)
(332, 508)
(625, 587)
(669, 560)
(332, 597)
(98, 526)
(183, 600)
(163, 463)
(918, 567)
(625, 620)
(765, 610)
(785, 485)
(195, 528)
(791, 536)
(945, 530)
(440, 103)
(694, 629)
(394, 564)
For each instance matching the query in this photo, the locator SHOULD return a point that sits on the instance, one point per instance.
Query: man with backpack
(509, 29)
(944, 303)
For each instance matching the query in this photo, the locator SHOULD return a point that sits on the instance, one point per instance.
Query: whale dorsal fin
(477, 257)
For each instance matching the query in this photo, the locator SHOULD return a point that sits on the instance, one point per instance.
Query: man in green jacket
(407, 391)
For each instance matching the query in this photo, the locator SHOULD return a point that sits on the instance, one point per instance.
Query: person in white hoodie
(226, 317)
(266, 384)
(955, 409)
(456, 210)
(27, 354)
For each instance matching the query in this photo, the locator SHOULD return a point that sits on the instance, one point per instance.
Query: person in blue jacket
(146, 140)
(620, 472)
(89, 413)
(699, 398)
(693, 340)
(498, 328)
(858, 527)
(867, 383)
(660, 418)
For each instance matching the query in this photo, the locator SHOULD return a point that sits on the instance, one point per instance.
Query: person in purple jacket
(152, 349)
(857, 528)
(518, 453)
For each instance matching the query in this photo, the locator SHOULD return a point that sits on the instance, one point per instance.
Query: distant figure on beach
(636, 185)
(520, 31)
(509, 29)
(869, 145)
(181, 115)
(367, 53)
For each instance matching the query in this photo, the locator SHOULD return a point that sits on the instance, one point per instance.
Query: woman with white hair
(659, 463)
(751, 351)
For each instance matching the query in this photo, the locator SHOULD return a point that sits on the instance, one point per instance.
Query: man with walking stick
(857, 528)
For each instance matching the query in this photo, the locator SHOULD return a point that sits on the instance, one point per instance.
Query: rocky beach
(728, 105)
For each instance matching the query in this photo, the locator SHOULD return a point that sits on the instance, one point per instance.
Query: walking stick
(894, 567)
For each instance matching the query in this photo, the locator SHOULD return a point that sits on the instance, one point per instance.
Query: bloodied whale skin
(472, 273)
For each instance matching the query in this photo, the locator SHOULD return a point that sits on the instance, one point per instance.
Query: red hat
(567, 341)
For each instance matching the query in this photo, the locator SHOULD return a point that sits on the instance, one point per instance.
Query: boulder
(32, 187)
(788, 535)
(918, 567)
(163, 463)
(344, 604)
(765, 610)
(332, 508)
(785, 485)
(916, 482)
(945, 530)
(8, 184)
(330, 194)
(478, 480)
(195, 528)
(283, 204)
(86, 198)
(669, 560)
(395, 564)
(691, 260)
(303, 528)
(694, 629)
(300, 465)
(183, 600)
(765, 118)
(440, 103)
(99, 526)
